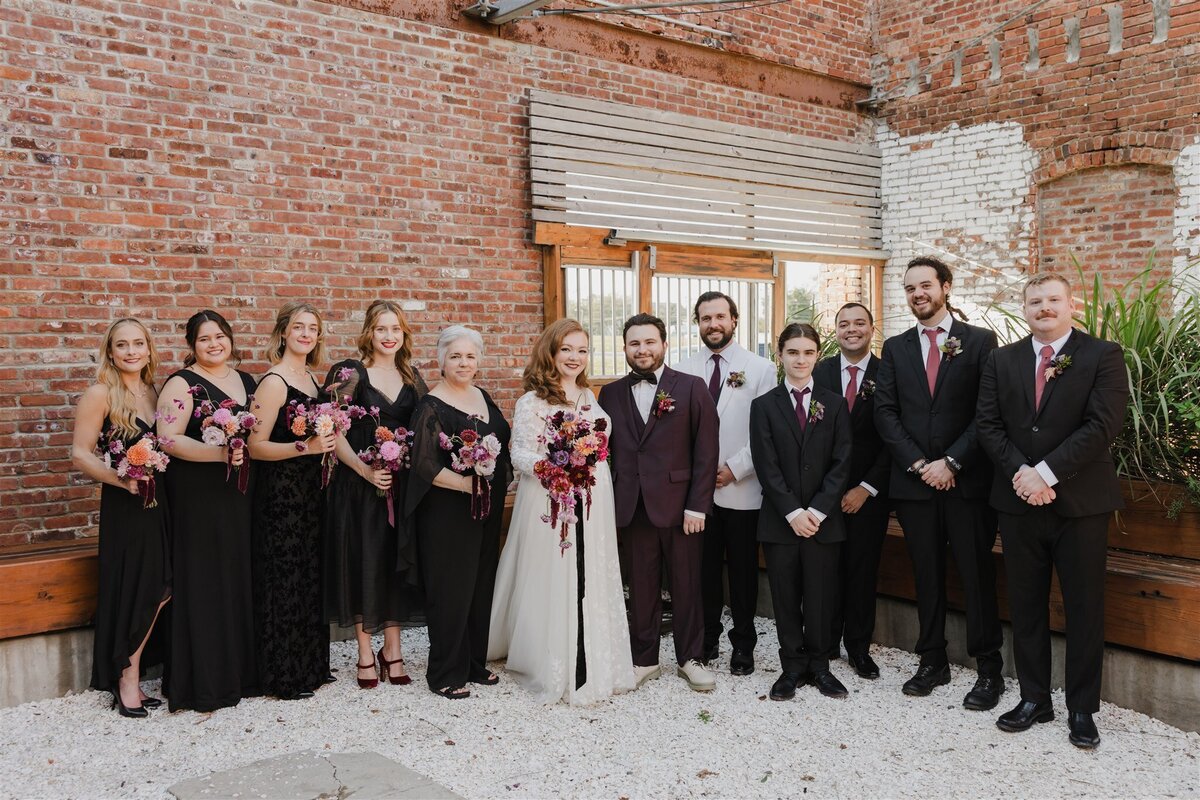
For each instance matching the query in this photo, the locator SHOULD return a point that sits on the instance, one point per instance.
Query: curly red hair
(541, 376)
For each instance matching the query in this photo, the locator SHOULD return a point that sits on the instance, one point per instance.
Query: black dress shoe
(1083, 730)
(985, 694)
(710, 654)
(741, 662)
(863, 665)
(1025, 715)
(784, 687)
(138, 712)
(827, 684)
(927, 677)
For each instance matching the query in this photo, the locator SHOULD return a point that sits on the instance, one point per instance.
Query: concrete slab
(314, 775)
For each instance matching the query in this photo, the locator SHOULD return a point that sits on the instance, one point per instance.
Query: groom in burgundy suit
(664, 446)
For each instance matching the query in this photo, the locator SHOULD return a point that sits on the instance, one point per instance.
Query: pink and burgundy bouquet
(321, 419)
(574, 446)
(391, 451)
(140, 461)
(475, 456)
(223, 426)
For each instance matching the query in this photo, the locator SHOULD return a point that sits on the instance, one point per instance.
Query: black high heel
(151, 702)
(135, 713)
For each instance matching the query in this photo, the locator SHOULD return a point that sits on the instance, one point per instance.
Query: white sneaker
(643, 674)
(697, 676)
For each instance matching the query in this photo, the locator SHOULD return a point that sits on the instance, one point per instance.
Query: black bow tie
(648, 377)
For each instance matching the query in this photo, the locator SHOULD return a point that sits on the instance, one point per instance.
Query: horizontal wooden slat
(717, 168)
(551, 131)
(47, 591)
(578, 120)
(1144, 526)
(1151, 604)
(847, 204)
(627, 216)
(547, 194)
(647, 115)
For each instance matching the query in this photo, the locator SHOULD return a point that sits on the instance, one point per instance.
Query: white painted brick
(1187, 212)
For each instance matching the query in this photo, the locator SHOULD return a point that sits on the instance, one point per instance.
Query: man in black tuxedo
(1049, 408)
(800, 442)
(852, 374)
(925, 412)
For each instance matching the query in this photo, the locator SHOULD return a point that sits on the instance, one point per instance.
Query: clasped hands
(805, 524)
(936, 474)
(1031, 487)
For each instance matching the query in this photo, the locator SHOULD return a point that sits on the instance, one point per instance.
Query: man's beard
(658, 362)
(935, 306)
(725, 339)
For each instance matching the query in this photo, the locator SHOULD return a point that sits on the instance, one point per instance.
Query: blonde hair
(404, 355)
(122, 405)
(541, 375)
(283, 321)
(1046, 277)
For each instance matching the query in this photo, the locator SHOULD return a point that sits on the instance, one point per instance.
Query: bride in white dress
(537, 608)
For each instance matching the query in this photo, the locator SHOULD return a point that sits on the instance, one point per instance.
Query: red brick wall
(161, 158)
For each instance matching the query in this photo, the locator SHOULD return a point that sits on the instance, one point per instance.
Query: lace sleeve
(529, 421)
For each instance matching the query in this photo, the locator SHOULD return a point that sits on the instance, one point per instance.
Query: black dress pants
(854, 614)
(1077, 549)
(803, 577)
(730, 540)
(969, 526)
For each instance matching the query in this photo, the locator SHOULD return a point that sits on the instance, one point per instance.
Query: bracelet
(913, 470)
(953, 464)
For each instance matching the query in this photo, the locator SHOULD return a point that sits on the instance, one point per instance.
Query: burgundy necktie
(714, 383)
(801, 413)
(1039, 380)
(852, 387)
(934, 359)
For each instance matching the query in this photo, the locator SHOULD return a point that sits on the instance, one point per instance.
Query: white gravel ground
(661, 741)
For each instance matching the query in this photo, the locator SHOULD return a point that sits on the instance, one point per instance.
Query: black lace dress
(135, 574)
(370, 563)
(458, 554)
(213, 662)
(293, 637)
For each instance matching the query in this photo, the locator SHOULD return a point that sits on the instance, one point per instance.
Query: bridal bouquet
(139, 462)
(321, 419)
(574, 445)
(475, 456)
(392, 451)
(222, 426)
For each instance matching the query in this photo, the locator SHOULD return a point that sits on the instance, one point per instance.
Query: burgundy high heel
(386, 669)
(367, 683)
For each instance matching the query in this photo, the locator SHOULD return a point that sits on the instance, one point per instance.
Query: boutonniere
(816, 411)
(736, 380)
(952, 347)
(868, 389)
(1058, 365)
(663, 403)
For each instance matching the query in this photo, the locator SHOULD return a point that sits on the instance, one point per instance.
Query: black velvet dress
(458, 554)
(213, 662)
(370, 563)
(293, 637)
(135, 574)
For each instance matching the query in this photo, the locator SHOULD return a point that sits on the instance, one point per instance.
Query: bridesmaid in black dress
(370, 557)
(135, 570)
(458, 553)
(213, 663)
(293, 637)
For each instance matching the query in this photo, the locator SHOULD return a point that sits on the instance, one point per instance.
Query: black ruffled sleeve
(428, 458)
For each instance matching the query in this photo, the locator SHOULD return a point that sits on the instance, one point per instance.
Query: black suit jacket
(914, 425)
(672, 461)
(870, 462)
(797, 469)
(1082, 411)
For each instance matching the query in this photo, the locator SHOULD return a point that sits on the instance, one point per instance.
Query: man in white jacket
(734, 377)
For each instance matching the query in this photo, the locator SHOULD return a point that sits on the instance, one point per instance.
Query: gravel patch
(662, 740)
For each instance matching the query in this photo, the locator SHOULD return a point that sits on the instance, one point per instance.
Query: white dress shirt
(787, 382)
(943, 326)
(1042, 467)
(862, 370)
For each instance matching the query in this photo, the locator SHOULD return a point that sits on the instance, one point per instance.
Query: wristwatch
(913, 470)
(954, 466)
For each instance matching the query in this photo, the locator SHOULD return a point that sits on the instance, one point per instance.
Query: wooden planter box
(1152, 591)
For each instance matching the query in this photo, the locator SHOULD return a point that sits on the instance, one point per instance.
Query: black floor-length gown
(213, 660)
(458, 554)
(370, 563)
(135, 574)
(293, 637)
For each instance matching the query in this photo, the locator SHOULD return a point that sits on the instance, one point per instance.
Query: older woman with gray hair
(455, 502)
